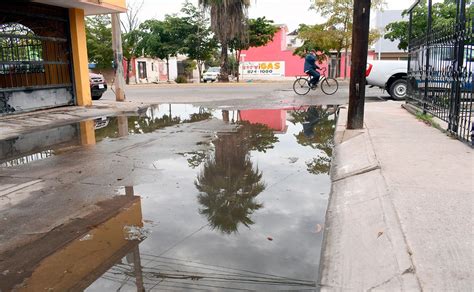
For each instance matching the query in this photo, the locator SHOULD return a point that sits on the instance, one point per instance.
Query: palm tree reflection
(229, 183)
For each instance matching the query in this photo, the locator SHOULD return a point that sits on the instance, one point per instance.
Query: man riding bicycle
(310, 68)
(303, 85)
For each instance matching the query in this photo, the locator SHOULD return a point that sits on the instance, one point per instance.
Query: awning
(90, 7)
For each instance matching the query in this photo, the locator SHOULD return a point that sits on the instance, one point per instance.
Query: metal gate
(35, 58)
(440, 78)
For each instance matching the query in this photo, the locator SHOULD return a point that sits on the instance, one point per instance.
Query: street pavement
(237, 94)
(228, 96)
(400, 213)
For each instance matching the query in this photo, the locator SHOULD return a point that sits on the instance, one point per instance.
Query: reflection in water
(31, 147)
(28, 158)
(72, 257)
(318, 131)
(161, 273)
(229, 183)
(232, 188)
(196, 158)
(153, 119)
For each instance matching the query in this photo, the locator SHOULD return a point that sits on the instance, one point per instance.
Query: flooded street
(179, 198)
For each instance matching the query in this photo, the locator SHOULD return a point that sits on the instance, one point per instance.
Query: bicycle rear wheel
(301, 86)
(329, 86)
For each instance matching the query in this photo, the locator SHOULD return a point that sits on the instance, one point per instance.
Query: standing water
(179, 198)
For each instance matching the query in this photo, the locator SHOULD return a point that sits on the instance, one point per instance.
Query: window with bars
(20, 50)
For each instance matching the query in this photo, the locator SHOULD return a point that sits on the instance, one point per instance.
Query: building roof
(294, 33)
(90, 7)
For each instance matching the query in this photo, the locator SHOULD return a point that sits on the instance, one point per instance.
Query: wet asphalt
(180, 197)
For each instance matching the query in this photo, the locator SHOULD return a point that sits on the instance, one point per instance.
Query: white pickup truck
(389, 75)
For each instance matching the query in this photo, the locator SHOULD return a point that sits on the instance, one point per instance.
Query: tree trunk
(224, 76)
(168, 68)
(199, 64)
(225, 116)
(128, 71)
(237, 58)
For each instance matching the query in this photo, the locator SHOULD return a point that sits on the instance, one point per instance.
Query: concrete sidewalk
(400, 214)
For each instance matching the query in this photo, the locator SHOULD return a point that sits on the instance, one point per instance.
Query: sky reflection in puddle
(246, 213)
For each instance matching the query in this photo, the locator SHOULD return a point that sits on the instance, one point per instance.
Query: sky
(289, 12)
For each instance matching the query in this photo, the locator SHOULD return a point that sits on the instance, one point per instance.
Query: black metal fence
(440, 78)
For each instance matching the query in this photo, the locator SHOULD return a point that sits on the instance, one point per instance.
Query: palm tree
(228, 21)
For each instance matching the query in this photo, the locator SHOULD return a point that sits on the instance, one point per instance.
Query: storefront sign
(262, 69)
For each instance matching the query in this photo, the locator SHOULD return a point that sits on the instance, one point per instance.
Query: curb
(364, 247)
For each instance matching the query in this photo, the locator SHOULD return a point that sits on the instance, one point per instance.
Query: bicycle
(329, 85)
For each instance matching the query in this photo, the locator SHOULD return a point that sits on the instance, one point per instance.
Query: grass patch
(428, 120)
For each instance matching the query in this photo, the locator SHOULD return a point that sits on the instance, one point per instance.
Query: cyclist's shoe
(314, 86)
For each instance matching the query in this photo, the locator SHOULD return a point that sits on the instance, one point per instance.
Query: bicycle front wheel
(301, 86)
(329, 86)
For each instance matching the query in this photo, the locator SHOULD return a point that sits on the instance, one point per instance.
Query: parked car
(443, 68)
(101, 122)
(389, 75)
(98, 85)
(212, 74)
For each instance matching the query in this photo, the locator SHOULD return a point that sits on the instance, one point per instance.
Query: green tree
(228, 21)
(189, 66)
(214, 61)
(164, 39)
(444, 15)
(338, 27)
(200, 44)
(260, 32)
(318, 37)
(99, 41)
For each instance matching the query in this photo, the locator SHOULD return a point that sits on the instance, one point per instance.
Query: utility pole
(118, 57)
(360, 45)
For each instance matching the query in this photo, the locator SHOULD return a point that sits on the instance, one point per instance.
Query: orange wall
(120, 3)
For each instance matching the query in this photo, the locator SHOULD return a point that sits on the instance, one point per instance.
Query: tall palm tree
(228, 21)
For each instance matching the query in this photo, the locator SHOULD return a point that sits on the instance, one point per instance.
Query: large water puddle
(243, 211)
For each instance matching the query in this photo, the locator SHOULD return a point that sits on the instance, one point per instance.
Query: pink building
(257, 60)
(275, 119)
(276, 59)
